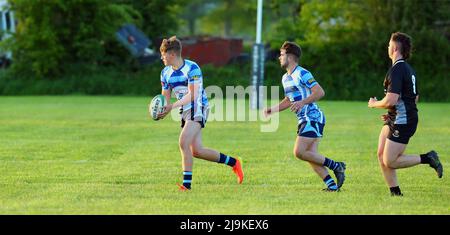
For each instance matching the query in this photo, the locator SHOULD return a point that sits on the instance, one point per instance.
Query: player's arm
(195, 79)
(317, 93)
(166, 93)
(284, 104)
(393, 91)
(387, 102)
(188, 97)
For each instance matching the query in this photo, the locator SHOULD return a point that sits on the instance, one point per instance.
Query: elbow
(319, 94)
(390, 104)
(194, 97)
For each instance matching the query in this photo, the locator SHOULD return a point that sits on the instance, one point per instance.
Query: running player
(402, 94)
(301, 92)
(185, 78)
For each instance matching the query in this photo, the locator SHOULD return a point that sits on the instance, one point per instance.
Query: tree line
(344, 42)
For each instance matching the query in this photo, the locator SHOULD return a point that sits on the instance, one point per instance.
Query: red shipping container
(216, 51)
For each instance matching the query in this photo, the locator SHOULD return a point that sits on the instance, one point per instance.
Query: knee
(300, 153)
(183, 144)
(380, 155)
(390, 164)
(380, 158)
(196, 152)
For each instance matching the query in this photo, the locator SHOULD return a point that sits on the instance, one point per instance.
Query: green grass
(104, 155)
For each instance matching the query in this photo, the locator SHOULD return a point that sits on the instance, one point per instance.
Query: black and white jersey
(401, 79)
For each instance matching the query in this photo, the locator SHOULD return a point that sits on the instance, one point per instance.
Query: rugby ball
(157, 106)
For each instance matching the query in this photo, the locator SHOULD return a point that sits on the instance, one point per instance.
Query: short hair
(405, 43)
(292, 48)
(171, 44)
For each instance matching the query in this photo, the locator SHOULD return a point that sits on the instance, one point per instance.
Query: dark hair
(405, 43)
(292, 48)
(171, 44)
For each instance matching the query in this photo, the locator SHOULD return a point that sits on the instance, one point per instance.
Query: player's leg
(394, 158)
(197, 148)
(303, 151)
(187, 135)
(198, 151)
(308, 132)
(321, 170)
(212, 155)
(389, 174)
(395, 146)
(306, 149)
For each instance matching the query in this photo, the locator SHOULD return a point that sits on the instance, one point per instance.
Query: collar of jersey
(294, 70)
(398, 61)
(184, 62)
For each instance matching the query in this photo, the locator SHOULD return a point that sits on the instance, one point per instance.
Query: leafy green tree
(347, 41)
(193, 11)
(230, 18)
(159, 17)
(53, 33)
(284, 17)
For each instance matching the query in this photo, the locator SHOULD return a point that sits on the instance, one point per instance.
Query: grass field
(104, 155)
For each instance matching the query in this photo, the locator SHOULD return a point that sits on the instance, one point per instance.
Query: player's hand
(166, 111)
(384, 117)
(371, 102)
(267, 112)
(296, 106)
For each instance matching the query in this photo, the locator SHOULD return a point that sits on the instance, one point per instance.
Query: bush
(355, 82)
(53, 35)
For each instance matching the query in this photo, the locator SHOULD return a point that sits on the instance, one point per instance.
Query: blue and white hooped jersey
(297, 86)
(178, 81)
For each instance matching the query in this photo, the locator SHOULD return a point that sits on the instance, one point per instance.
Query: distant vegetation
(68, 46)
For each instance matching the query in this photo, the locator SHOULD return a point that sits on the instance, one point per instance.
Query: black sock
(332, 165)
(330, 183)
(187, 179)
(227, 160)
(395, 191)
(424, 159)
